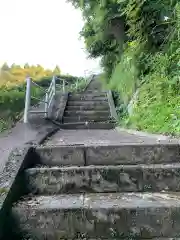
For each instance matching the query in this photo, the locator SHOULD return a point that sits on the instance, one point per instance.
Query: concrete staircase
(125, 191)
(89, 110)
(128, 190)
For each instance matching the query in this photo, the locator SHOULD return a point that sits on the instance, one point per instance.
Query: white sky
(43, 32)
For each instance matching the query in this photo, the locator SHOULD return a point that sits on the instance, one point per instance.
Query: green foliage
(157, 108)
(138, 41)
(124, 78)
(78, 85)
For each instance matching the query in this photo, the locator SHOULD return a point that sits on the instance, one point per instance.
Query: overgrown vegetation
(12, 89)
(138, 41)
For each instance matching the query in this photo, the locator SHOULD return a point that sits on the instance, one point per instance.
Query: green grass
(157, 109)
(125, 75)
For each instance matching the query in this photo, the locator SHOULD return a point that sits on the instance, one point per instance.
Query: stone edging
(61, 105)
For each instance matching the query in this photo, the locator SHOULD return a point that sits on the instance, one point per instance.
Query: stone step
(87, 103)
(87, 125)
(121, 178)
(95, 91)
(115, 215)
(101, 154)
(88, 108)
(88, 94)
(87, 113)
(86, 98)
(85, 118)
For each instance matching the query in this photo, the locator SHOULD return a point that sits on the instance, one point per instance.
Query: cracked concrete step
(88, 107)
(94, 91)
(101, 154)
(87, 125)
(85, 118)
(115, 215)
(121, 178)
(87, 103)
(88, 94)
(87, 113)
(87, 98)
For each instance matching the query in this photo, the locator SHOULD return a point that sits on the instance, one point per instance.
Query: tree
(56, 70)
(5, 67)
(26, 66)
(110, 25)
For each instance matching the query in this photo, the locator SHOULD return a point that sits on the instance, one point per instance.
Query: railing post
(77, 81)
(27, 99)
(63, 86)
(54, 84)
(46, 105)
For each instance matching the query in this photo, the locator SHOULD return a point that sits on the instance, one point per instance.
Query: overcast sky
(43, 32)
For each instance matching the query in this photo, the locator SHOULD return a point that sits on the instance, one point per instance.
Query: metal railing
(49, 94)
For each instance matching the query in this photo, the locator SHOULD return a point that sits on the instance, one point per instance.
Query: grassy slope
(157, 108)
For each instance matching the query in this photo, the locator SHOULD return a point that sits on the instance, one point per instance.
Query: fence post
(63, 86)
(46, 105)
(54, 85)
(27, 99)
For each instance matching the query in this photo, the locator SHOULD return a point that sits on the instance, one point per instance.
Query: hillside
(138, 42)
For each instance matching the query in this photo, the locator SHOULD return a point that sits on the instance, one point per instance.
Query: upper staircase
(88, 110)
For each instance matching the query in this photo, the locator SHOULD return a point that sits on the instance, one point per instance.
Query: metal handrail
(37, 85)
(49, 95)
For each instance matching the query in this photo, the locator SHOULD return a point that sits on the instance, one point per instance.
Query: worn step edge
(88, 112)
(88, 125)
(84, 103)
(87, 108)
(97, 94)
(85, 96)
(70, 119)
(100, 99)
(144, 215)
(120, 178)
(94, 200)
